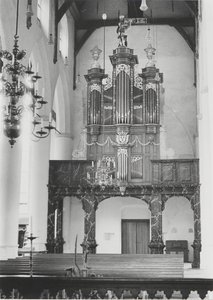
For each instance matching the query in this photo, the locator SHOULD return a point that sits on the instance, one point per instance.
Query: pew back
(99, 265)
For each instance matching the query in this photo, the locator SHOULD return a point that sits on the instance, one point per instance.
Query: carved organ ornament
(123, 101)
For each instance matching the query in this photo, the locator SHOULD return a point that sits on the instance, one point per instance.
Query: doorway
(135, 236)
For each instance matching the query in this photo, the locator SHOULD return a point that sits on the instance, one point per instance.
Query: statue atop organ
(123, 108)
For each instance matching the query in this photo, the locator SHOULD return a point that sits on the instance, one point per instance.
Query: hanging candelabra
(104, 175)
(19, 82)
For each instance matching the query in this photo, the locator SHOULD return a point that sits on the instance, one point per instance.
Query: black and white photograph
(106, 138)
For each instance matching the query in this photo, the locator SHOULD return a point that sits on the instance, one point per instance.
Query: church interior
(105, 149)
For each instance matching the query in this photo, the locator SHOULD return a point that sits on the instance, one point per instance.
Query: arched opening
(110, 216)
(73, 224)
(178, 225)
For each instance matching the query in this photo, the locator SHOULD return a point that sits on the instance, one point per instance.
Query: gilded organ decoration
(95, 55)
(150, 52)
(122, 138)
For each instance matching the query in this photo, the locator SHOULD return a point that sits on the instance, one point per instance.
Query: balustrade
(105, 288)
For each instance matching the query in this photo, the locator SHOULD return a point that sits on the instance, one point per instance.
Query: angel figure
(123, 25)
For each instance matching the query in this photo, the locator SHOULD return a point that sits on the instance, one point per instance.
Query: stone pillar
(156, 244)
(38, 191)
(89, 203)
(205, 125)
(197, 230)
(10, 162)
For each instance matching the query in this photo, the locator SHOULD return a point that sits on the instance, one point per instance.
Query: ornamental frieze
(123, 67)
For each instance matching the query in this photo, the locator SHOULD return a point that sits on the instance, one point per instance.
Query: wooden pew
(99, 265)
(136, 266)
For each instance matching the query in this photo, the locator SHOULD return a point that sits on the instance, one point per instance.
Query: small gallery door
(135, 236)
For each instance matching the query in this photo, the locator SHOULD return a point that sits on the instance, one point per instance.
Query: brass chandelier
(19, 82)
(103, 175)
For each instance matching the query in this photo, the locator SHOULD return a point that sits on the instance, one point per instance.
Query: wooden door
(135, 236)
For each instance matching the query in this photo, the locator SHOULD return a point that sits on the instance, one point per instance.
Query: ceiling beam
(133, 10)
(186, 37)
(193, 7)
(86, 24)
(63, 9)
(83, 39)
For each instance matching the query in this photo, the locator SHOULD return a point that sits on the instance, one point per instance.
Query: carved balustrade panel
(107, 288)
(175, 171)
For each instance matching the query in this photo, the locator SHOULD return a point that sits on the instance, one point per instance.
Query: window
(43, 15)
(63, 37)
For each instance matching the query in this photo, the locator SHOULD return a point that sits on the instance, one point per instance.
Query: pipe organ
(122, 108)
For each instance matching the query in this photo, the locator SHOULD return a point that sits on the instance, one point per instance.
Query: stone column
(38, 191)
(156, 244)
(89, 203)
(10, 162)
(197, 230)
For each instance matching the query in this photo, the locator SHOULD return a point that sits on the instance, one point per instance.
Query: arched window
(63, 37)
(43, 15)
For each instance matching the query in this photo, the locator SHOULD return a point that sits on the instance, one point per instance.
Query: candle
(55, 224)
(93, 164)
(31, 224)
(42, 125)
(37, 68)
(43, 92)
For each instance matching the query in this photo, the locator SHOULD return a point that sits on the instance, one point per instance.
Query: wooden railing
(175, 171)
(103, 288)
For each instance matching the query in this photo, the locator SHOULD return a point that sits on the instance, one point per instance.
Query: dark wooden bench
(99, 265)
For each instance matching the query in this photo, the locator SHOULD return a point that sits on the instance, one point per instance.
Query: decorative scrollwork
(123, 67)
(122, 138)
